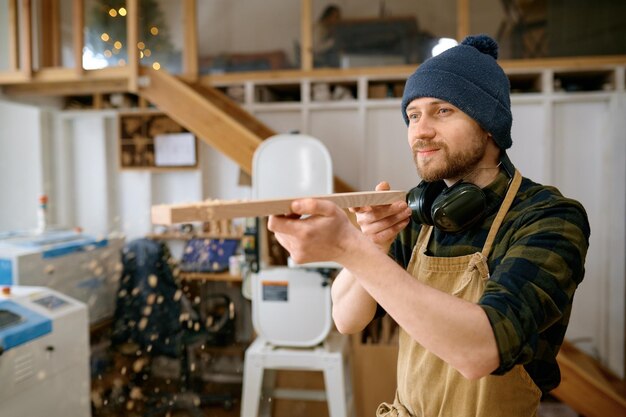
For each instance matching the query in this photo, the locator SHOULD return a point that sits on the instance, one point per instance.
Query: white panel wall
(135, 200)
(92, 203)
(341, 131)
(96, 195)
(282, 121)
(220, 176)
(585, 169)
(388, 154)
(531, 150)
(21, 168)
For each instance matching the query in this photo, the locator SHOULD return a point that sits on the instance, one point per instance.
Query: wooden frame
(21, 64)
(190, 46)
(13, 36)
(26, 39)
(137, 132)
(132, 37)
(50, 52)
(78, 23)
(168, 214)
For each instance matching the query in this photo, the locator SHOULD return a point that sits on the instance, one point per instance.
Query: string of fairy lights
(112, 35)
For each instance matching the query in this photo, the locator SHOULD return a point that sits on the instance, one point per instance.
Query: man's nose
(423, 128)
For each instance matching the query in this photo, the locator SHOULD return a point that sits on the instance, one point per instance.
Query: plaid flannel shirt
(535, 265)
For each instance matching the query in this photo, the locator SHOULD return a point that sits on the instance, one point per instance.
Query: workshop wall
(22, 164)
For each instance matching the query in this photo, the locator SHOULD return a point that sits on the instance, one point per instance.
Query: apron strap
(504, 208)
(423, 238)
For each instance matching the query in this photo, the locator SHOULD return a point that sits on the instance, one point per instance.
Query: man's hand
(324, 234)
(382, 223)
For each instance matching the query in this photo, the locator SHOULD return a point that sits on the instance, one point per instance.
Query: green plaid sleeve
(529, 295)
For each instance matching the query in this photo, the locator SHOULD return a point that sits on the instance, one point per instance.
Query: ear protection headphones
(451, 209)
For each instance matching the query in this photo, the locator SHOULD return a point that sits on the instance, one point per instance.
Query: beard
(454, 164)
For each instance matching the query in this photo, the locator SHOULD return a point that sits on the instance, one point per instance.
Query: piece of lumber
(214, 210)
(584, 388)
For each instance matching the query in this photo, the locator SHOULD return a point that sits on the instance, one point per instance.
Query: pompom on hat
(468, 77)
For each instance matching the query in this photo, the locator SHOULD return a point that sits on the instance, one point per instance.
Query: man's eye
(444, 110)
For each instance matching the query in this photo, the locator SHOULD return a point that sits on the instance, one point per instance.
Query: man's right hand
(383, 223)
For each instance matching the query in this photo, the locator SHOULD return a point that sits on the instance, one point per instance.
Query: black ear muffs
(450, 209)
(458, 207)
(420, 200)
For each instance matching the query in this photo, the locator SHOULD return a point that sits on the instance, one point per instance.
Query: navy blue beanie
(468, 77)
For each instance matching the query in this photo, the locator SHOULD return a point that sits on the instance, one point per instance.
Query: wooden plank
(190, 44)
(187, 236)
(26, 41)
(12, 77)
(306, 35)
(78, 36)
(584, 388)
(209, 276)
(403, 71)
(98, 101)
(463, 19)
(50, 34)
(132, 38)
(168, 214)
(13, 36)
(66, 88)
(55, 34)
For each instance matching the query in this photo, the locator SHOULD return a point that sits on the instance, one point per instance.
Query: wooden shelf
(138, 141)
(210, 276)
(187, 236)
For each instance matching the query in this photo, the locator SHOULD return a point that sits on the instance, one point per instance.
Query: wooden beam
(403, 71)
(132, 38)
(61, 88)
(13, 36)
(182, 213)
(26, 40)
(70, 74)
(50, 50)
(583, 386)
(98, 101)
(235, 111)
(12, 77)
(78, 26)
(201, 117)
(463, 19)
(306, 35)
(190, 44)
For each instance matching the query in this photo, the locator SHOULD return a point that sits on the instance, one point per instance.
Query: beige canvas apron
(429, 387)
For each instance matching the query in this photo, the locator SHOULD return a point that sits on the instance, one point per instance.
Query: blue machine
(81, 266)
(44, 354)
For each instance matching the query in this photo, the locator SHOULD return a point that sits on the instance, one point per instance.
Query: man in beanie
(479, 270)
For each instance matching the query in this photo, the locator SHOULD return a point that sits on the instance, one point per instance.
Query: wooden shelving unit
(187, 236)
(138, 132)
(210, 276)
